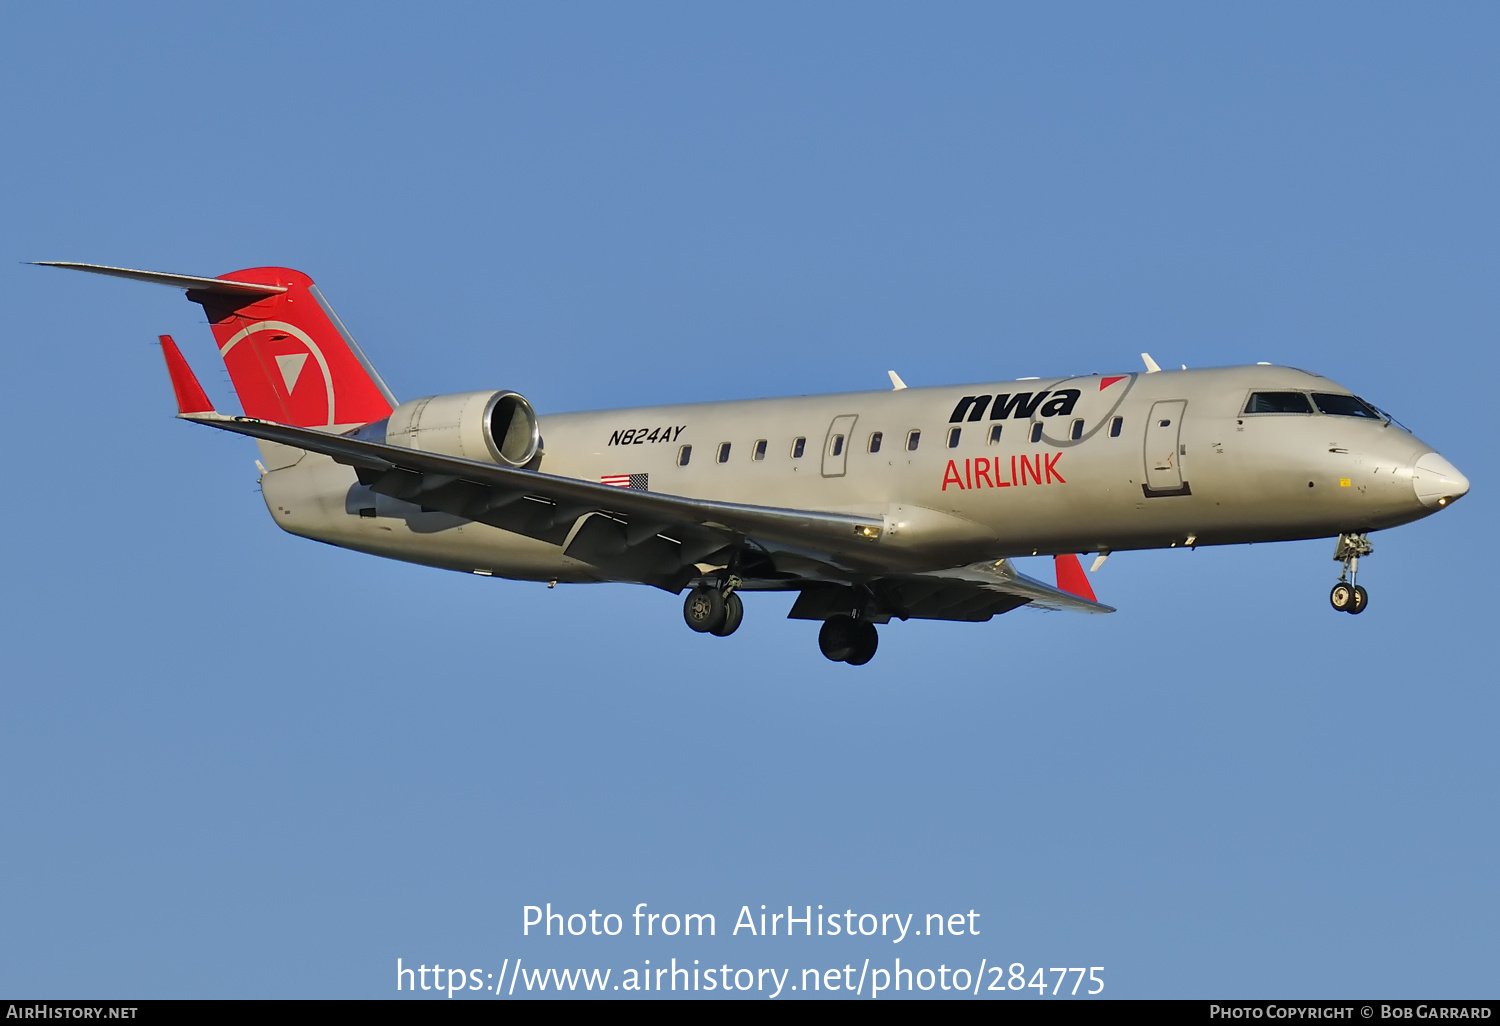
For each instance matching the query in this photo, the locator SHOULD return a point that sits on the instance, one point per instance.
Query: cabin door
(1164, 449)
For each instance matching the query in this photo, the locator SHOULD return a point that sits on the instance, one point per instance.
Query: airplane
(908, 503)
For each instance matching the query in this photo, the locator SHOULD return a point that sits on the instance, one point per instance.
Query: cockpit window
(1344, 405)
(1278, 402)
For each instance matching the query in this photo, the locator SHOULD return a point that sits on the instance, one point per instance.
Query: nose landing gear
(1346, 596)
(714, 610)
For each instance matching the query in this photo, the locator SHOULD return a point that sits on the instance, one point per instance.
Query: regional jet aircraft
(908, 503)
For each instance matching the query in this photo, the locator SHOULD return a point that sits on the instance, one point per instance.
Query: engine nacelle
(493, 427)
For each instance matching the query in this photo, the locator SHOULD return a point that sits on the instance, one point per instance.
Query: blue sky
(241, 764)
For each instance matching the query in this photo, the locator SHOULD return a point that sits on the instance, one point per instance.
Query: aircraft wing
(973, 593)
(642, 536)
(1000, 579)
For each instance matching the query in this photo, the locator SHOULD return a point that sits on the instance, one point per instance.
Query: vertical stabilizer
(289, 356)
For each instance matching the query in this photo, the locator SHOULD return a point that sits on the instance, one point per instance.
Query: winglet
(1070, 577)
(190, 395)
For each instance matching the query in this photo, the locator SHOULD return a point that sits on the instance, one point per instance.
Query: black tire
(864, 650)
(1341, 597)
(734, 613)
(1361, 599)
(838, 637)
(703, 609)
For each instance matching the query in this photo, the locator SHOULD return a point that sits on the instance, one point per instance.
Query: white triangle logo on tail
(291, 369)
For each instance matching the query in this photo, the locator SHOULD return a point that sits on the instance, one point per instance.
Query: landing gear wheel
(847, 640)
(864, 648)
(838, 636)
(734, 612)
(1361, 599)
(1348, 597)
(704, 609)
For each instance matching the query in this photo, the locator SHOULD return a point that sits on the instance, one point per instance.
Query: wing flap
(909, 597)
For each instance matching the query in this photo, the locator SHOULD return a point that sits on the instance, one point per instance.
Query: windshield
(1278, 402)
(1344, 405)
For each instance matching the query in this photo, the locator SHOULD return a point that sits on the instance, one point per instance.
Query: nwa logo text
(1021, 406)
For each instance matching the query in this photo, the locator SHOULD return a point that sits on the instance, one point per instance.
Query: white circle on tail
(301, 336)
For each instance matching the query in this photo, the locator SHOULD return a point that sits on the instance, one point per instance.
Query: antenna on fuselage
(1151, 367)
(896, 383)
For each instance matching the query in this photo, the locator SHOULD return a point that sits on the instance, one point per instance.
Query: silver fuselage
(1135, 461)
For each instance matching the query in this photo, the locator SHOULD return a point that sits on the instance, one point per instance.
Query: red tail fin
(290, 358)
(1070, 577)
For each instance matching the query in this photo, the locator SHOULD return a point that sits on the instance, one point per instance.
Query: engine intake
(494, 427)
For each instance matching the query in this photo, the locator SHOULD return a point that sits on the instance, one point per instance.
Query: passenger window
(836, 447)
(798, 448)
(1344, 405)
(684, 454)
(723, 452)
(1115, 426)
(1278, 402)
(913, 439)
(760, 450)
(1036, 432)
(1077, 430)
(953, 434)
(875, 441)
(995, 433)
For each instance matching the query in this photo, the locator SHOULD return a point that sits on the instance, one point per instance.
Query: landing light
(868, 532)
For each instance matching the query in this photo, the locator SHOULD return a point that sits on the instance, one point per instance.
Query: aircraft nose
(1437, 482)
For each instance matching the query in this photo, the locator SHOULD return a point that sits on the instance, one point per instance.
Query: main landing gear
(1346, 596)
(714, 610)
(847, 640)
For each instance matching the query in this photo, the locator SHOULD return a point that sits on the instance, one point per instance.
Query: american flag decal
(635, 482)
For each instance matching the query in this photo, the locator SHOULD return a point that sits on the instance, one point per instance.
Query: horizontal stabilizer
(289, 357)
(178, 281)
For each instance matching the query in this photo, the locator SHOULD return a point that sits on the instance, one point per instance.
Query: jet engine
(494, 427)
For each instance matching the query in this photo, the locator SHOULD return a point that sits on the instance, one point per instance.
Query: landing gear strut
(847, 640)
(714, 610)
(1346, 596)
